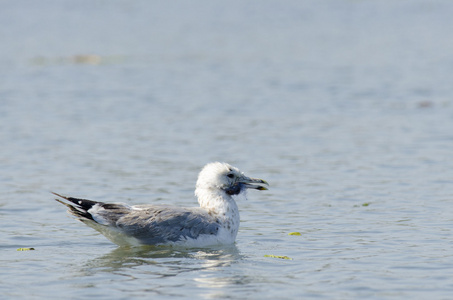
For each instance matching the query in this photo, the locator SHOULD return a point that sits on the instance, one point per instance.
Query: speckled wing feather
(158, 224)
(149, 224)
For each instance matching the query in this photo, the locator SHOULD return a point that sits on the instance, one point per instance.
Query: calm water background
(345, 107)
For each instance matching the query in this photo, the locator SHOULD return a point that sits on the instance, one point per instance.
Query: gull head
(224, 177)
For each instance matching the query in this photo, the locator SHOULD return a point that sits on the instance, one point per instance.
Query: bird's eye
(230, 175)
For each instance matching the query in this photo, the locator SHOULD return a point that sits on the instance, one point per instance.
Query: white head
(219, 176)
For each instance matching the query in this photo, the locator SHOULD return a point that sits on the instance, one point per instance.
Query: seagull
(215, 222)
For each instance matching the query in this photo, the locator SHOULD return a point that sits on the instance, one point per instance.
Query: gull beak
(254, 183)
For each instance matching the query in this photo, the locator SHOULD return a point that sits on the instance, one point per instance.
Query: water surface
(344, 107)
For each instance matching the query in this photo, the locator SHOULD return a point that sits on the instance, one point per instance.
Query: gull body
(214, 222)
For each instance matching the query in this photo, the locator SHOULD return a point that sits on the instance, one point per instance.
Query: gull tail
(78, 207)
(99, 216)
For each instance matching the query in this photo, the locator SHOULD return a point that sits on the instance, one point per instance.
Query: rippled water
(345, 107)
